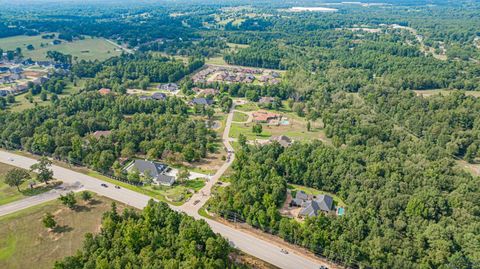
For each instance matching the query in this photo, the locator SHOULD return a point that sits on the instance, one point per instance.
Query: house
(201, 101)
(44, 63)
(264, 116)
(4, 92)
(283, 140)
(171, 87)
(210, 91)
(16, 70)
(300, 198)
(155, 170)
(266, 100)
(312, 208)
(159, 96)
(100, 134)
(104, 91)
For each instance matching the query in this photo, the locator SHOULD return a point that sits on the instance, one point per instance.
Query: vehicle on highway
(196, 202)
(11, 159)
(323, 267)
(284, 251)
(104, 185)
(117, 187)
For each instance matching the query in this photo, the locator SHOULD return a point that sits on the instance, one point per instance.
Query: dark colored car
(104, 185)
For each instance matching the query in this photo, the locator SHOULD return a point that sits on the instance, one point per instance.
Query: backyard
(26, 243)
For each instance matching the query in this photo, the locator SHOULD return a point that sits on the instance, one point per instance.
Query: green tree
(257, 128)
(86, 196)
(44, 174)
(16, 177)
(49, 221)
(68, 199)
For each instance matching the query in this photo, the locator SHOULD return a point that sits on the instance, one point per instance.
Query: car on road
(284, 251)
(117, 187)
(104, 185)
(11, 159)
(196, 202)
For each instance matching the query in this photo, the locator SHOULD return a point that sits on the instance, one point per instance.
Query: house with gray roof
(201, 101)
(300, 198)
(171, 87)
(153, 169)
(320, 203)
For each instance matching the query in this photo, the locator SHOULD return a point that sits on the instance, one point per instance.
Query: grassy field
(21, 103)
(218, 60)
(10, 194)
(26, 243)
(247, 107)
(240, 117)
(87, 49)
(427, 93)
(313, 191)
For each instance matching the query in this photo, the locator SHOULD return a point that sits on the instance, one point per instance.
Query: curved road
(248, 243)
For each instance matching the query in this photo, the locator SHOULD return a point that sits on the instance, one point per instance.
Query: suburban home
(266, 100)
(283, 140)
(171, 87)
(159, 96)
(104, 91)
(209, 91)
(264, 116)
(153, 169)
(201, 101)
(316, 205)
(4, 92)
(100, 134)
(300, 198)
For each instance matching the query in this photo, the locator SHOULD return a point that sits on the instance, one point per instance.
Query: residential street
(248, 243)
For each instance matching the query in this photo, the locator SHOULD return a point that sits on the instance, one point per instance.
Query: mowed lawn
(240, 116)
(87, 49)
(10, 194)
(26, 243)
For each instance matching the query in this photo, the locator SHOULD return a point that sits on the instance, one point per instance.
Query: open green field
(87, 49)
(307, 190)
(218, 60)
(239, 116)
(26, 243)
(21, 103)
(10, 194)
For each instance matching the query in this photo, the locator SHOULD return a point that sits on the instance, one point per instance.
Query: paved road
(201, 197)
(248, 243)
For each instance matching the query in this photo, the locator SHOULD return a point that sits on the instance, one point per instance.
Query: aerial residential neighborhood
(239, 134)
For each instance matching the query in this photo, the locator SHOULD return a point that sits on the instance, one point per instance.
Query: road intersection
(246, 242)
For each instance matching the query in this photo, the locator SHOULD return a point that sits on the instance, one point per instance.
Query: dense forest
(157, 237)
(157, 129)
(398, 190)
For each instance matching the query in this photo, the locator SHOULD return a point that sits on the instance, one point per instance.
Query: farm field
(87, 49)
(10, 194)
(26, 243)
